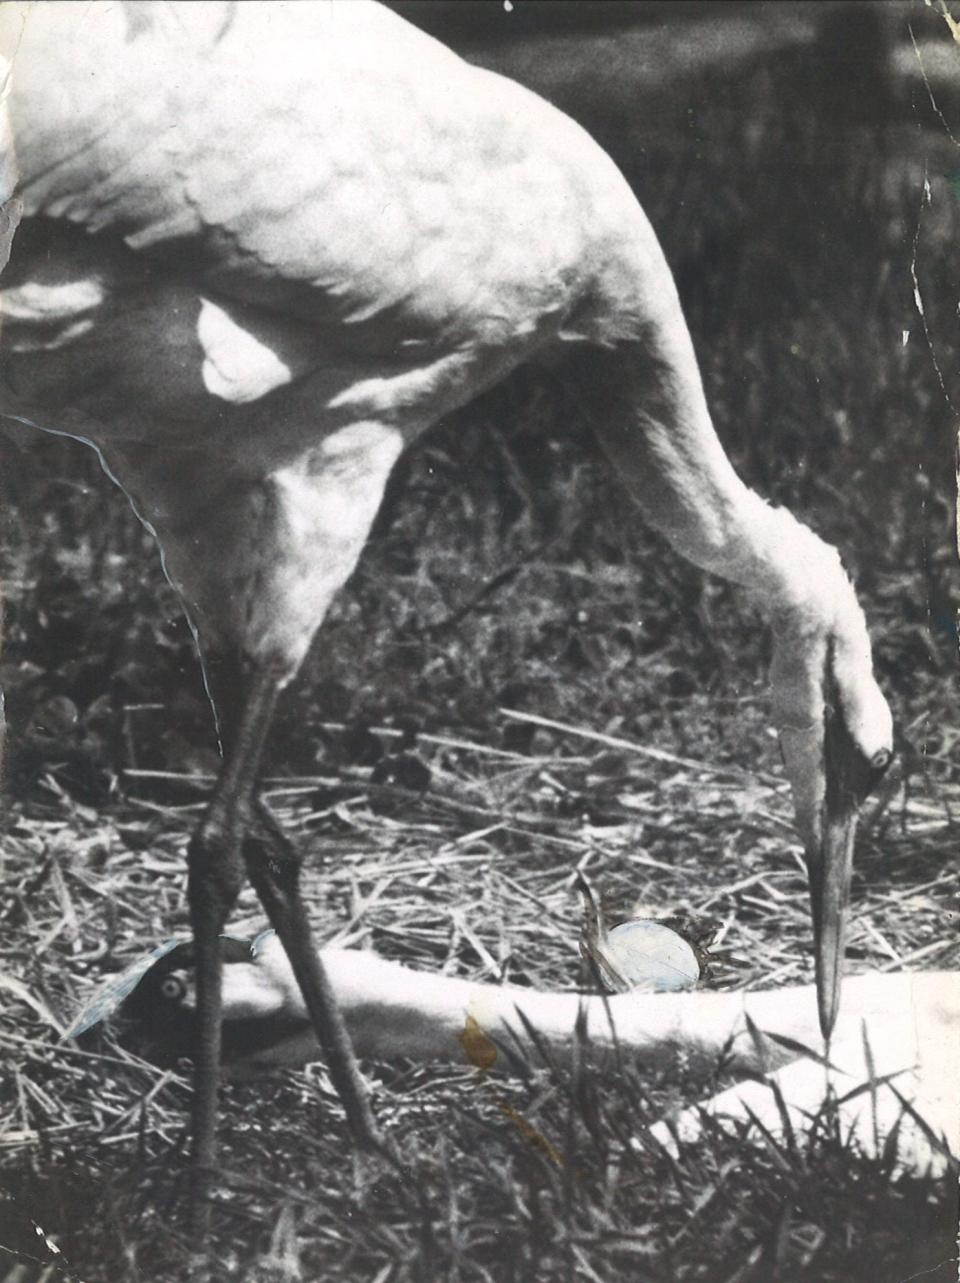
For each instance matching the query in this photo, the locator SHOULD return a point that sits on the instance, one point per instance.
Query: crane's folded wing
(274, 156)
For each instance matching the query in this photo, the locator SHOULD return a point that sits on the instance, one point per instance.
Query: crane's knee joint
(214, 869)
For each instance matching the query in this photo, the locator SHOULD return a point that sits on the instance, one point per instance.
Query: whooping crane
(909, 1022)
(264, 248)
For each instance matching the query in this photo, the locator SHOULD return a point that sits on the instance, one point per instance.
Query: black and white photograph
(479, 596)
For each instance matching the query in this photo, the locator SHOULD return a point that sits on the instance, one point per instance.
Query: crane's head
(158, 1017)
(836, 736)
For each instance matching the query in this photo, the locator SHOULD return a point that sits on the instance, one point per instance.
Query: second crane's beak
(831, 777)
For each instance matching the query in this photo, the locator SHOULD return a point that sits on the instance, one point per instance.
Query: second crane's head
(836, 735)
(263, 1021)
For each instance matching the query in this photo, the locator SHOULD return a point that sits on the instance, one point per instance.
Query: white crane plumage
(899, 1033)
(263, 248)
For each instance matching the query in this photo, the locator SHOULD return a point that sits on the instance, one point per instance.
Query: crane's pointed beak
(830, 868)
(831, 777)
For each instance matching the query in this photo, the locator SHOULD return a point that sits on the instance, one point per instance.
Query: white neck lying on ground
(909, 1022)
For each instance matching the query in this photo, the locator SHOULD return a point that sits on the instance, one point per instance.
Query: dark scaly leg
(238, 822)
(215, 878)
(273, 864)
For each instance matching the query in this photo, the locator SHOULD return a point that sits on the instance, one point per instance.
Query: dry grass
(472, 879)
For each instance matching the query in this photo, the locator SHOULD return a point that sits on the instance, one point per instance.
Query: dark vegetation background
(807, 199)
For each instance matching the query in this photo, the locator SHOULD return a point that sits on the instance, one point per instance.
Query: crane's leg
(215, 878)
(273, 863)
(257, 556)
(238, 829)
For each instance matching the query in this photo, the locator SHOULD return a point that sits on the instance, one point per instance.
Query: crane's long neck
(652, 418)
(392, 1011)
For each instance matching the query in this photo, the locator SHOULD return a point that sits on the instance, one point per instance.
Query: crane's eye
(172, 988)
